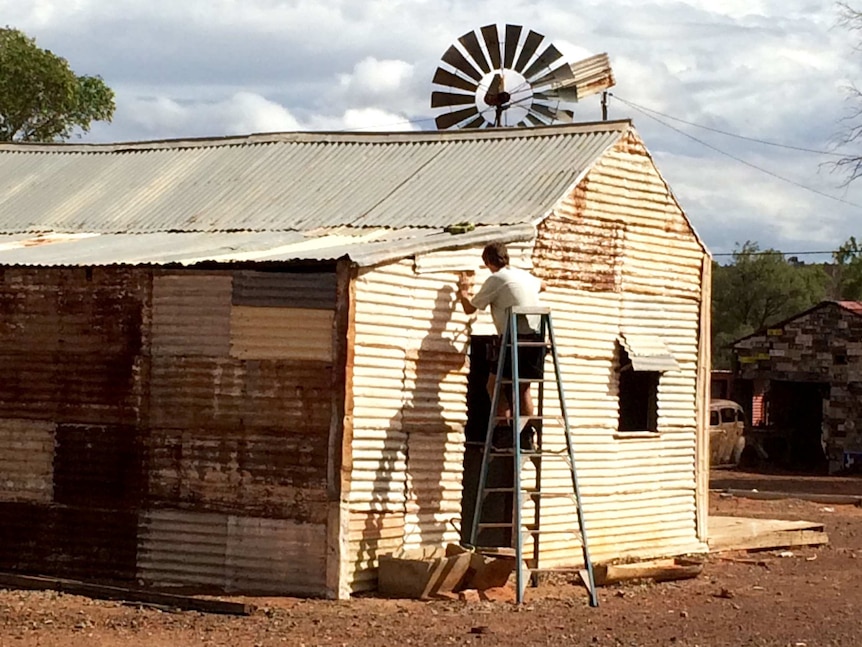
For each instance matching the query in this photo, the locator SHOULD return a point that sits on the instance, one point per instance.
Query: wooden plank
(741, 533)
(827, 499)
(103, 592)
(704, 359)
(659, 570)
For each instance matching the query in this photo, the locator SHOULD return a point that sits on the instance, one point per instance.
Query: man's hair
(496, 254)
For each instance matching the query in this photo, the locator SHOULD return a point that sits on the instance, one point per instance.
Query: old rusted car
(726, 432)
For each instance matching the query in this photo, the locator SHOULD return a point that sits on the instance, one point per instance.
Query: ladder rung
(546, 380)
(531, 344)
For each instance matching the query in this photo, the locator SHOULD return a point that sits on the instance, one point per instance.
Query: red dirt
(803, 597)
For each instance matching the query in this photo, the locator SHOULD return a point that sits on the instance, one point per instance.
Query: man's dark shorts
(531, 359)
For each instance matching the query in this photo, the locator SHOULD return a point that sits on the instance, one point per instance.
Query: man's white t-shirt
(506, 288)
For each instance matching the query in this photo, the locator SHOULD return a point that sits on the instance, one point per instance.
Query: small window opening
(638, 395)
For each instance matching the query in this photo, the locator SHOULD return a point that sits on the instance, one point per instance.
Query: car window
(740, 416)
(728, 415)
(713, 418)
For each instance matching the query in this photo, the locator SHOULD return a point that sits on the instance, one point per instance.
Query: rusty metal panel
(231, 554)
(70, 542)
(98, 466)
(274, 473)
(224, 393)
(313, 290)
(281, 333)
(72, 340)
(639, 492)
(26, 460)
(191, 313)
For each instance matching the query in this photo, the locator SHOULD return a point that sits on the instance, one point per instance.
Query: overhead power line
(756, 140)
(736, 158)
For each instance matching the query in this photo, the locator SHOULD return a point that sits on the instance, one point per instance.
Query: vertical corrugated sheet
(281, 333)
(198, 551)
(26, 460)
(636, 268)
(409, 386)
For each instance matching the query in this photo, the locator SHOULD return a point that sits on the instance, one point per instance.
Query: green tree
(846, 273)
(41, 98)
(756, 289)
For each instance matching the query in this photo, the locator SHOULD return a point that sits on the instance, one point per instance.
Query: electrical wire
(756, 140)
(740, 160)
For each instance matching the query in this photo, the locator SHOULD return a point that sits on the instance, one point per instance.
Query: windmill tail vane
(489, 79)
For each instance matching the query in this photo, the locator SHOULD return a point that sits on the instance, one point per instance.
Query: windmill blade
(531, 44)
(544, 62)
(534, 120)
(554, 78)
(513, 35)
(570, 95)
(564, 116)
(492, 43)
(445, 77)
(478, 122)
(543, 110)
(471, 43)
(446, 99)
(455, 58)
(450, 119)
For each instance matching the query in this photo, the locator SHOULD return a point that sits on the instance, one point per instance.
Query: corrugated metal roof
(363, 246)
(297, 181)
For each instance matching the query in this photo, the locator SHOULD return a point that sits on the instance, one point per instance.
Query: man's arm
(465, 282)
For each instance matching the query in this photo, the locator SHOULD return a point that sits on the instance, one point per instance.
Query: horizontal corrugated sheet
(216, 552)
(409, 395)
(648, 353)
(487, 177)
(312, 290)
(368, 246)
(26, 460)
(281, 333)
(638, 491)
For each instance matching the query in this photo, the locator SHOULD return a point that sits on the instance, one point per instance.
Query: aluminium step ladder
(532, 453)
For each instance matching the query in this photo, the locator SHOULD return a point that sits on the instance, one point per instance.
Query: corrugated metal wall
(409, 410)
(167, 426)
(71, 349)
(240, 412)
(619, 257)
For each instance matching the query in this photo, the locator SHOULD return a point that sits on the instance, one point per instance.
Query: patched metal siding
(409, 410)
(72, 366)
(240, 412)
(232, 553)
(641, 276)
(26, 460)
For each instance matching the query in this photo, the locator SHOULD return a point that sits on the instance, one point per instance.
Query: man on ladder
(526, 335)
(509, 287)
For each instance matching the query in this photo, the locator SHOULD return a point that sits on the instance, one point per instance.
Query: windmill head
(488, 78)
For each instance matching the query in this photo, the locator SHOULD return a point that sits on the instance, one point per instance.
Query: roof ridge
(311, 137)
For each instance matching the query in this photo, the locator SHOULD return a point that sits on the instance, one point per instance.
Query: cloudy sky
(770, 70)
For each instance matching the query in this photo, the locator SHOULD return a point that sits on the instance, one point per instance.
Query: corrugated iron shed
(289, 182)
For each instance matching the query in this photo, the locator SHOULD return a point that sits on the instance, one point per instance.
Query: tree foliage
(41, 98)
(851, 19)
(758, 288)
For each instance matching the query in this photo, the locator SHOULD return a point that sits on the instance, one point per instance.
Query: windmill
(488, 81)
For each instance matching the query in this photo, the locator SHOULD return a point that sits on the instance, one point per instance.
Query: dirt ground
(799, 598)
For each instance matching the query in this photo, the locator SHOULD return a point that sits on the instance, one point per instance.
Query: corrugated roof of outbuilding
(297, 181)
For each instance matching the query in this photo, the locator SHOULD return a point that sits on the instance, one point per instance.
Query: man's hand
(465, 284)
